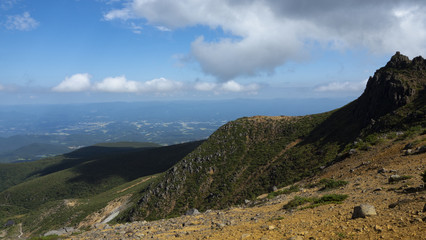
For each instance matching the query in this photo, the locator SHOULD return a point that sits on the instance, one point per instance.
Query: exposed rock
(363, 211)
(192, 211)
(394, 178)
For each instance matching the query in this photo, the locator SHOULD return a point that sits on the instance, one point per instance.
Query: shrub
(326, 199)
(331, 184)
(293, 188)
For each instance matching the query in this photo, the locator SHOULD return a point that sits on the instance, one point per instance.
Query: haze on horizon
(73, 51)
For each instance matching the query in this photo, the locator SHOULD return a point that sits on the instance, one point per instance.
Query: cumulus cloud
(121, 84)
(232, 86)
(342, 87)
(23, 22)
(76, 83)
(116, 84)
(265, 34)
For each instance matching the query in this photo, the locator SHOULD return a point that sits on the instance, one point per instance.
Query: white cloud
(116, 84)
(76, 83)
(7, 4)
(163, 29)
(205, 86)
(267, 33)
(23, 22)
(161, 85)
(232, 86)
(123, 14)
(342, 87)
(121, 84)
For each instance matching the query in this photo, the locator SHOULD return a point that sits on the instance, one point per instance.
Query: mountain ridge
(214, 175)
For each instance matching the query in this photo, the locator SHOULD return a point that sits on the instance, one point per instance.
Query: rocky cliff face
(249, 156)
(391, 87)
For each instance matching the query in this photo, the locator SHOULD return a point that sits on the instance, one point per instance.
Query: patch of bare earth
(399, 207)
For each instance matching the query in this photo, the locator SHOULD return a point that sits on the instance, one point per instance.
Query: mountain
(32, 152)
(249, 156)
(243, 163)
(90, 176)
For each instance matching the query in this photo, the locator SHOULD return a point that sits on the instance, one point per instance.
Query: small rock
(274, 188)
(363, 211)
(377, 189)
(245, 235)
(424, 208)
(352, 151)
(192, 211)
(378, 228)
(394, 178)
(382, 170)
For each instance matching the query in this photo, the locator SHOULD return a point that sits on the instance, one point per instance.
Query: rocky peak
(391, 87)
(398, 61)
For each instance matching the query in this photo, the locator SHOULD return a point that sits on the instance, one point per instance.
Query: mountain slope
(80, 175)
(249, 156)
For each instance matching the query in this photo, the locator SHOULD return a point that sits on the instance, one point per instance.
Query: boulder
(192, 211)
(363, 211)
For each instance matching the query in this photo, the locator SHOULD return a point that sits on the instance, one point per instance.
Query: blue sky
(66, 51)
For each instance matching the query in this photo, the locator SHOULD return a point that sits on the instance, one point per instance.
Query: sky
(75, 51)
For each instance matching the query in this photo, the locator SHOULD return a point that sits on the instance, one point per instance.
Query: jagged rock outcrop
(391, 87)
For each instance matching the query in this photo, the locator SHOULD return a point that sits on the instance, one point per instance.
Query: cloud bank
(81, 82)
(264, 34)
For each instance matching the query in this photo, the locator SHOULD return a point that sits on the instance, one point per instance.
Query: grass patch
(293, 188)
(315, 202)
(328, 184)
(51, 237)
(341, 235)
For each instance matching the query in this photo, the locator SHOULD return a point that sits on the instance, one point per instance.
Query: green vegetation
(328, 184)
(341, 235)
(331, 184)
(293, 188)
(52, 237)
(47, 186)
(315, 202)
